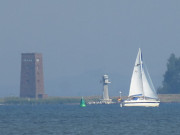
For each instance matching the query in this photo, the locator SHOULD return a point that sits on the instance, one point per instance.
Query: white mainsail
(136, 86)
(140, 84)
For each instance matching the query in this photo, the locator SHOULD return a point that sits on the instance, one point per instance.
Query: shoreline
(164, 98)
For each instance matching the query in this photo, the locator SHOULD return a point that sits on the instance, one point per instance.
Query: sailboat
(82, 102)
(142, 91)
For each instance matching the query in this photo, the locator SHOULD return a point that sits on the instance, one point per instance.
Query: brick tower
(32, 81)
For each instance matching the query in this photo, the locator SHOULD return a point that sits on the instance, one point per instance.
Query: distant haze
(82, 40)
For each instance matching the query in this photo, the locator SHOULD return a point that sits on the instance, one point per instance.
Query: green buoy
(82, 103)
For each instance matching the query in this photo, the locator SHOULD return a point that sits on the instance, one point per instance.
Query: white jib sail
(148, 87)
(136, 87)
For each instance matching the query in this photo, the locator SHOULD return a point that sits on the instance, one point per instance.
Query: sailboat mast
(141, 62)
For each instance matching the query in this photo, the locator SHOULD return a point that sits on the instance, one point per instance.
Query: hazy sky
(81, 40)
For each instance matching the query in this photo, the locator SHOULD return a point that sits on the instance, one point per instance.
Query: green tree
(171, 82)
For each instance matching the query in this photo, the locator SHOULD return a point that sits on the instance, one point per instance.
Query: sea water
(90, 120)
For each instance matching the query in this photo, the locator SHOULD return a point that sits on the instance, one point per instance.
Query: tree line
(171, 81)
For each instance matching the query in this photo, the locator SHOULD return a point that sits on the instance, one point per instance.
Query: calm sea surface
(92, 120)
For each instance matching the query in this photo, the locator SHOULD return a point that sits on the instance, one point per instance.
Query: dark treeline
(171, 82)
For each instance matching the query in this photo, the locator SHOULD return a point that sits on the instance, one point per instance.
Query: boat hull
(140, 103)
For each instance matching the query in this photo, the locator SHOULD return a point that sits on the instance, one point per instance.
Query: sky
(82, 40)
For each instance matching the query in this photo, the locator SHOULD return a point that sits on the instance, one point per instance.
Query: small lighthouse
(106, 99)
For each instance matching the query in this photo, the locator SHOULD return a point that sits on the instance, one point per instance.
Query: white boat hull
(145, 103)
